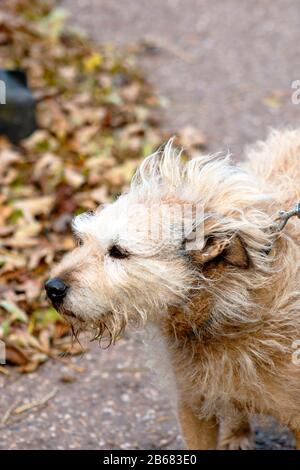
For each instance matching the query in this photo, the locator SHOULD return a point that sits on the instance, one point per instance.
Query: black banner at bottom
(152, 458)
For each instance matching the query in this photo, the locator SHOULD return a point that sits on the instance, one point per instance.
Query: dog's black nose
(56, 289)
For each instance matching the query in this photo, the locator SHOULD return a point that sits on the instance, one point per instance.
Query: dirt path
(227, 68)
(107, 401)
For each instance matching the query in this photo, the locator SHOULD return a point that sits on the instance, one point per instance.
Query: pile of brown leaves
(96, 117)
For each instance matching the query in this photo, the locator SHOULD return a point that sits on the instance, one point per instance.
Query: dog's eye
(79, 241)
(116, 252)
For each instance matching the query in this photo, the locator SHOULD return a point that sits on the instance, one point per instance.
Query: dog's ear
(231, 250)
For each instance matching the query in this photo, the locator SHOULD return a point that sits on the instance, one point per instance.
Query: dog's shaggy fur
(226, 315)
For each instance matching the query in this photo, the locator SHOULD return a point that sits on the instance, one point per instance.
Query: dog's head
(151, 249)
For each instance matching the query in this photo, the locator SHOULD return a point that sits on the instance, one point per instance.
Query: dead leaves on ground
(97, 118)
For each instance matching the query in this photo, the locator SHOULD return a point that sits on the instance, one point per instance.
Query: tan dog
(224, 312)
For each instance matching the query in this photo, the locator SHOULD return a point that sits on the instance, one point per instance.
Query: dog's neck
(190, 321)
(211, 315)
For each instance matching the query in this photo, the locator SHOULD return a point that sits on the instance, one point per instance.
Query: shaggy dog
(224, 312)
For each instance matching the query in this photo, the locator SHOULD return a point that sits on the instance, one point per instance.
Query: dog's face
(120, 272)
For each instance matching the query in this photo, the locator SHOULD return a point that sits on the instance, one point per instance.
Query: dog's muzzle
(56, 290)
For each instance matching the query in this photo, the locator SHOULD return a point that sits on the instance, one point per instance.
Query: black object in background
(17, 115)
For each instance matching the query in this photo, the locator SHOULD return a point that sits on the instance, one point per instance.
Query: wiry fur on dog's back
(276, 162)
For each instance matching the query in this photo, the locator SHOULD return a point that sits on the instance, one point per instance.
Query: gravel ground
(227, 68)
(223, 66)
(103, 400)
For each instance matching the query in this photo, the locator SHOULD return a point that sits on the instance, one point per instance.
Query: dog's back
(276, 162)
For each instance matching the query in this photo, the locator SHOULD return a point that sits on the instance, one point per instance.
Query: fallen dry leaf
(15, 355)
